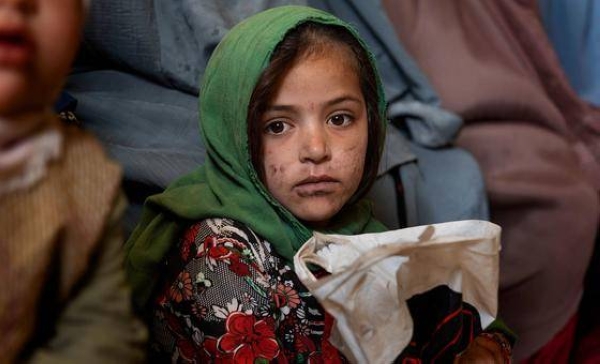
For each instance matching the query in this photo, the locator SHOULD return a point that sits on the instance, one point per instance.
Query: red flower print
(187, 350)
(315, 358)
(210, 354)
(237, 267)
(286, 296)
(210, 346)
(248, 339)
(214, 249)
(329, 354)
(161, 300)
(189, 237)
(173, 324)
(304, 344)
(199, 311)
(182, 287)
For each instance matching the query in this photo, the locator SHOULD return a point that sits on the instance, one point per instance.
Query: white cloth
(27, 146)
(373, 275)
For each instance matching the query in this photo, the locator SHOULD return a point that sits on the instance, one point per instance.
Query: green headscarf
(227, 185)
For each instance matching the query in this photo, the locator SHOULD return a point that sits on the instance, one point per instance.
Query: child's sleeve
(216, 292)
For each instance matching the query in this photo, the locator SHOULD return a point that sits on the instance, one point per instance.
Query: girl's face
(38, 40)
(314, 137)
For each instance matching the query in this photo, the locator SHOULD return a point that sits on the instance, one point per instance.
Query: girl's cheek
(354, 156)
(274, 170)
(275, 174)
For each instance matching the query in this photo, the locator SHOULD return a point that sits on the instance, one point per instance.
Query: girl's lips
(315, 186)
(16, 49)
(316, 189)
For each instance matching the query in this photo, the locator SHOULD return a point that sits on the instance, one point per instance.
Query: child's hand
(492, 348)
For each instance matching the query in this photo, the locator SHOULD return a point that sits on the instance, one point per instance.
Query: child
(63, 296)
(292, 119)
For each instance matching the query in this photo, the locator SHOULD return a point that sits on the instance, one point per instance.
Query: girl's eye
(340, 119)
(276, 127)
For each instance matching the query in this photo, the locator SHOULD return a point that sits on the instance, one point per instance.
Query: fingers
(486, 348)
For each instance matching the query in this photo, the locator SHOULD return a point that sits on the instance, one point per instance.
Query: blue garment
(65, 103)
(573, 26)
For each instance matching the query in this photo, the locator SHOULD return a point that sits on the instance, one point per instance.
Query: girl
(292, 118)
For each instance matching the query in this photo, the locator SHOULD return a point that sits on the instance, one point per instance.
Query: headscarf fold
(227, 185)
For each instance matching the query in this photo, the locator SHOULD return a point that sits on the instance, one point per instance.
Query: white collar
(27, 145)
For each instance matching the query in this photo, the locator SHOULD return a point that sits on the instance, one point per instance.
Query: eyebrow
(344, 98)
(337, 100)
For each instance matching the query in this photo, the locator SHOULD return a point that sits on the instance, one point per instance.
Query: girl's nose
(315, 146)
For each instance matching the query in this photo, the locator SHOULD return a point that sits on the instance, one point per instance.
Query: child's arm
(97, 325)
(226, 297)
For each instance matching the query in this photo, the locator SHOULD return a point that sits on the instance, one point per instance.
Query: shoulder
(84, 155)
(89, 183)
(223, 239)
(94, 180)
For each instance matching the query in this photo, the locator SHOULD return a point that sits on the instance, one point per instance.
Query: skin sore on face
(276, 169)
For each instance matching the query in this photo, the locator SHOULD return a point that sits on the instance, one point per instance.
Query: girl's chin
(317, 218)
(316, 225)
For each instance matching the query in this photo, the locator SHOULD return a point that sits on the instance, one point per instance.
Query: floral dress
(228, 297)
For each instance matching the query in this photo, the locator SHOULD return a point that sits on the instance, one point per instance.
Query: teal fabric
(227, 185)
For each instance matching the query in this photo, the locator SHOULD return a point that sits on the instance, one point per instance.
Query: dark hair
(312, 38)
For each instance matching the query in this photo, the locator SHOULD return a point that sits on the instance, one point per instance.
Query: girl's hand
(492, 348)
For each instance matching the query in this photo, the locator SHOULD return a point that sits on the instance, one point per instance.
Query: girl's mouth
(316, 186)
